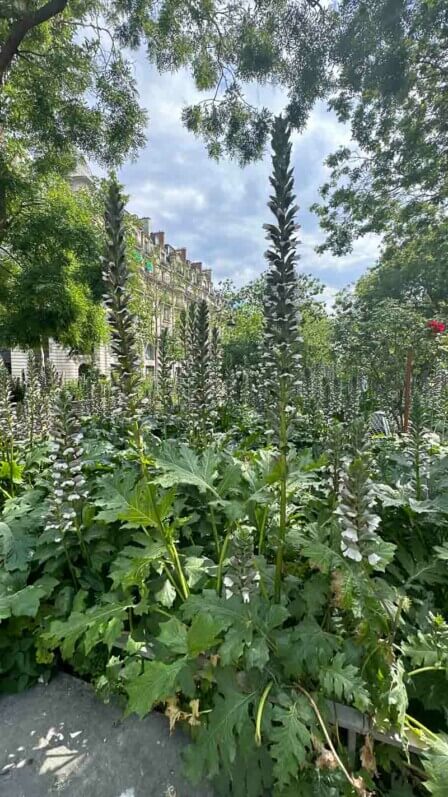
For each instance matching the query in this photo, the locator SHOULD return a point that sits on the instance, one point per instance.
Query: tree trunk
(21, 27)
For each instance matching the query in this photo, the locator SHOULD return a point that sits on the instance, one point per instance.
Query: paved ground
(61, 740)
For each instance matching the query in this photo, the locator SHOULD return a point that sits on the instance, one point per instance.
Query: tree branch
(22, 26)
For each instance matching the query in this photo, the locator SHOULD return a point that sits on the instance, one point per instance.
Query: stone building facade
(168, 283)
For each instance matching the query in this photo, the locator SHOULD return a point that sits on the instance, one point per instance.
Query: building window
(166, 313)
(149, 351)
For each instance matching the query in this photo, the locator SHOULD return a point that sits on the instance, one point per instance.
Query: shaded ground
(60, 739)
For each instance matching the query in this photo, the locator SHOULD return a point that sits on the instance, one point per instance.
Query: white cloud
(217, 210)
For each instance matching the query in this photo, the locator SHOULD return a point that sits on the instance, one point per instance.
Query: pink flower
(437, 327)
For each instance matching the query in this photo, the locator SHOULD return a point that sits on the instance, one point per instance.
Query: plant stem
(418, 725)
(170, 545)
(359, 789)
(262, 529)
(283, 435)
(11, 466)
(260, 710)
(424, 669)
(5, 492)
(172, 581)
(396, 620)
(70, 564)
(215, 532)
(408, 389)
(222, 557)
(180, 573)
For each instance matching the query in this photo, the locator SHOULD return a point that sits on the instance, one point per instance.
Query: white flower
(352, 553)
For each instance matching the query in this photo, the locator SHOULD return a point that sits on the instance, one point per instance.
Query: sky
(217, 210)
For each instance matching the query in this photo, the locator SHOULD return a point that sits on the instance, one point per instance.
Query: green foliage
(391, 89)
(156, 683)
(115, 277)
(436, 766)
(51, 273)
(217, 742)
(249, 579)
(290, 738)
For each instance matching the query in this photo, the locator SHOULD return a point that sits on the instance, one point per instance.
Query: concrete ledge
(60, 739)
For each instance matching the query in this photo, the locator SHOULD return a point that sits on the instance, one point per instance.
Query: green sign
(148, 265)
(137, 256)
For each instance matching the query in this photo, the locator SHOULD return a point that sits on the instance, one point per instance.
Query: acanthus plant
(96, 401)
(40, 388)
(356, 514)
(124, 346)
(63, 530)
(10, 433)
(267, 582)
(281, 356)
(216, 370)
(199, 382)
(165, 365)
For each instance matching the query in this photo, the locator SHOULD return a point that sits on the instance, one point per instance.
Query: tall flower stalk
(8, 425)
(165, 373)
(281, 358)
(124, 342)
(196, 383)
(67, 491)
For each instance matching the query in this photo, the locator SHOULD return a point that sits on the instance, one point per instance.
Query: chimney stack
(182, 254)
(197, 265)
(146, 225)
(159, 238)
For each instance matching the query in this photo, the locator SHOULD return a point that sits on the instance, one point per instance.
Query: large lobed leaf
(156, 684)
(180, 465)
(436, 766)
(290, 739)
(216, 743)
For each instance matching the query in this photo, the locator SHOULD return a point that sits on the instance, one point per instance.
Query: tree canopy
(413, 270)
(51, 270)
(391, 88)
(65, 82)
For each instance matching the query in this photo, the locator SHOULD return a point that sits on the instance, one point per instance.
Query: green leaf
(246, 625)
(133, 564)
(194, 567)
(435, 763)
(180, 465)
(203, 634)
(145, 508)
(92, 625)
(173, 634)
(307, 646)
(8, 469)
(430, 649)
(216, 743)
(228, 612)
(342, 681)
(16, 547)
(257, 654)
(156, 684)
(167, 595)
(112, 632)
(398, 696)
(442, 551)
(228, 615)
(26, 602)
(113, 495)
(290, 740)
